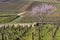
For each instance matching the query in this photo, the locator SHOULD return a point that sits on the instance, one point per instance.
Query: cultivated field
(29, 20)
(37, 32)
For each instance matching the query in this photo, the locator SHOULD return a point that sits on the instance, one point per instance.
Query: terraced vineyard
(34, 13)
(38, 32)
(31, 15)
(38, 18)
(12, 7)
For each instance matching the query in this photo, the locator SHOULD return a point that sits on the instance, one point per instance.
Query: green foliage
(7, 19)
(42, 32)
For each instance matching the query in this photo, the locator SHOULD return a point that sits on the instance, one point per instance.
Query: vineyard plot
(41, 32)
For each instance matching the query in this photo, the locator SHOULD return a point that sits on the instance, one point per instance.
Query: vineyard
(41, 11)
(29, 20)
(36, 32)
(12, 7)
(36, 12)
